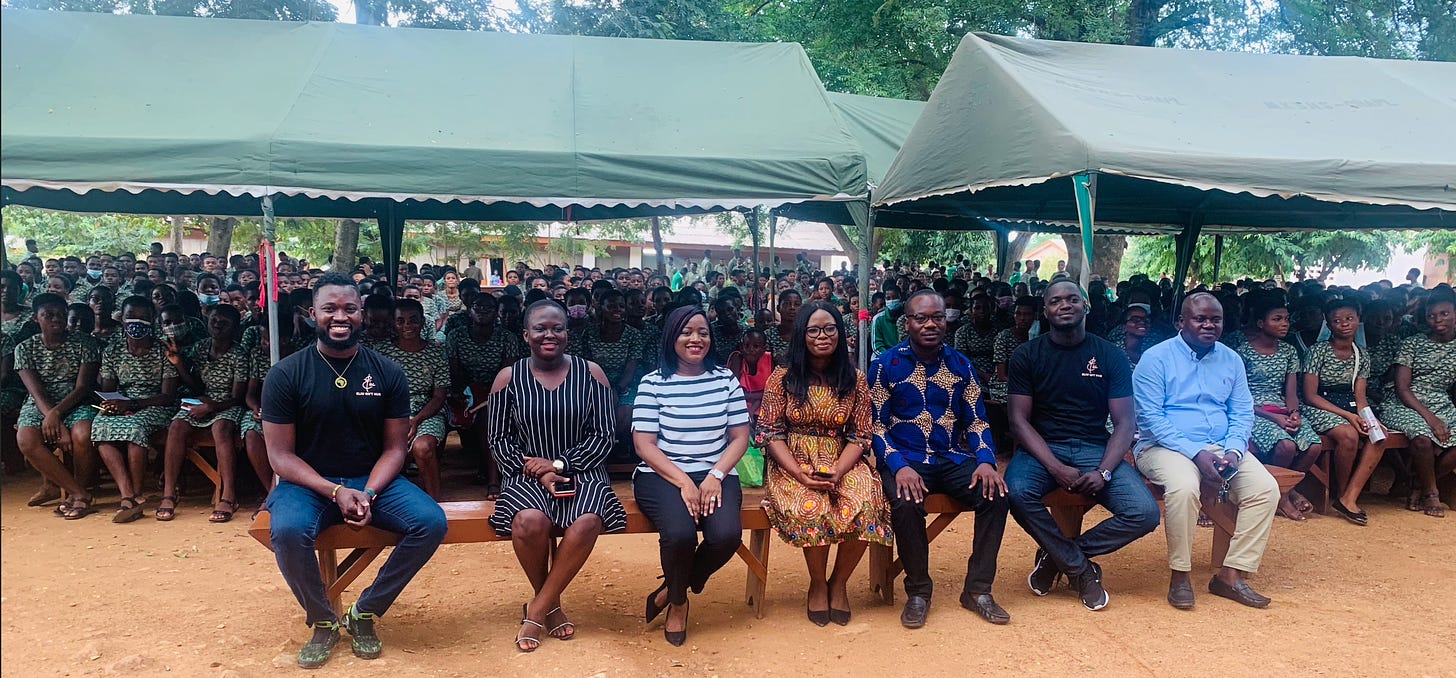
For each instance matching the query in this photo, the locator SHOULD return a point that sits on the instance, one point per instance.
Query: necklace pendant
(341, 382)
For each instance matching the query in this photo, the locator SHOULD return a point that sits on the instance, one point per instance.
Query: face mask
(952, 314)
(174, 331)
(894, 305)
(94, 275)
(138, 329)
(576, 312)
(208, 299)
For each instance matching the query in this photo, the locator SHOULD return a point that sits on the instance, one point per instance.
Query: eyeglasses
(922, 318)
(825, 331)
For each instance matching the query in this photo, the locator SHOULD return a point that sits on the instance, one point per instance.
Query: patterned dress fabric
(219, 373)
(426, 370)
(816, 432)
(725, 342)
(1381, 387)
(12, 392)
(482, 360)
(979, 347)
(1267, 376)
(1006, 344)
(575, 423)
(1332, 373)
(57, 370)
(778, 345)
(259, 362)
(138, 377)
(1433, 373)
(613, 357)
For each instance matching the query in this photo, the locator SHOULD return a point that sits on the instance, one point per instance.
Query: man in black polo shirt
(1063, 385)
(335, 418)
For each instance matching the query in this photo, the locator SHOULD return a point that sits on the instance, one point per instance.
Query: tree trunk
(346, 245)
(657, 246)
(179, 225)
(846, 243)
(1074, 258)
(1014, 249)
(220, 236)
(1107, 253)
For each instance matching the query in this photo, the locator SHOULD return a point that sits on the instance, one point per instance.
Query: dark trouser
(1134, 512)
(908, 519)
(300, 514)
(685, 563)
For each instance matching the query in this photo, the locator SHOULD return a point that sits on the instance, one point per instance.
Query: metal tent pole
(271, 276)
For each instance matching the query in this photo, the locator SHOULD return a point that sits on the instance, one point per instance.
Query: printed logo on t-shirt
(1092, 369)
(368, 386)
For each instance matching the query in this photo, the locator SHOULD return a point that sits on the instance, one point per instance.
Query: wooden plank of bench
(885, 567)
(468, 523)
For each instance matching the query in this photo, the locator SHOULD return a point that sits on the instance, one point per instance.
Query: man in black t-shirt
(1063, 385)
(335, 418)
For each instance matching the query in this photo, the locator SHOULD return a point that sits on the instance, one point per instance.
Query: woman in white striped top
(690, 427)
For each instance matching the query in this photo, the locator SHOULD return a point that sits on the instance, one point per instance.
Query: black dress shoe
(676, 638)
(983, 604)
(915, 612)
(1180, 595)
(1359, 518)
(1239, 593)
(840, 617)
(652, 609)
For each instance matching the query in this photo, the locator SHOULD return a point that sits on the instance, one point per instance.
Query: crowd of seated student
(1315, 356)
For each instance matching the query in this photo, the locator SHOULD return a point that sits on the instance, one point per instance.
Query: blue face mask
(208, 299)
(894, 305)
(94, 275)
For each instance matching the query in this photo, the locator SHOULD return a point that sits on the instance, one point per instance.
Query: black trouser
(685, 563)
(908, 519)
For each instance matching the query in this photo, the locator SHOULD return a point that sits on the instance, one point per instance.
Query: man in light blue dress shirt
(1195, 415)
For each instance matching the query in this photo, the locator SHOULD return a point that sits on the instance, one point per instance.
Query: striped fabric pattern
(690, 416)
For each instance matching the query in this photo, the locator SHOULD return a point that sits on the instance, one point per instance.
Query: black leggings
(686, 563)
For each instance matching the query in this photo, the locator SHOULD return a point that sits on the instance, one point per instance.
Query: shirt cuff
(985, 456)
(894, 461)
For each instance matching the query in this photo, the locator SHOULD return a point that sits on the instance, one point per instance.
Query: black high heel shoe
(652, 609)
(677, 638)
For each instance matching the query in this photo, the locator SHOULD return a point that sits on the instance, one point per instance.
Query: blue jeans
(300, 514)
(1134, 512)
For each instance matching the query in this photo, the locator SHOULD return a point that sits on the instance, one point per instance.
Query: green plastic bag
(750, 468)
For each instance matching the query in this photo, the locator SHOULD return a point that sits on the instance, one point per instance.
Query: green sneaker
(362, 637)
(320, 647)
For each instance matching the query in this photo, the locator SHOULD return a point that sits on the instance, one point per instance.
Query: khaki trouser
(1253, 490)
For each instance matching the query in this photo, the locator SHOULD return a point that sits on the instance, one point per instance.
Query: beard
(322, 332)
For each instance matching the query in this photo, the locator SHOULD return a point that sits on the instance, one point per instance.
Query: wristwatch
(716, 473)
(1106, 475)
(559, 466)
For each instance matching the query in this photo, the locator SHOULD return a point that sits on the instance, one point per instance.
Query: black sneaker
(362, 638)
(1089, 588)
(1044, 574)
(320, 647)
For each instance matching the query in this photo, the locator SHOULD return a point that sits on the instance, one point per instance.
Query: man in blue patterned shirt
(931, 436)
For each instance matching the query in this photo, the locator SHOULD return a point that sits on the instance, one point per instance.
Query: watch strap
(716, 473)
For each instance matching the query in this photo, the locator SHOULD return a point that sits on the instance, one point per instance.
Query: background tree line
(899, 48)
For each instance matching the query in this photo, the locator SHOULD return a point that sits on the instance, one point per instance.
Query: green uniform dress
(219, 374)
(483, 360)
(57, 370)
(12, 392)
(1332, 373)
(1006, 344)
(979, 347)
(259, 362)
(778, 345)
(1433, 372)
(1267, 376)
(1381, 387)
(138, 377)
(426, 370)
(613, 357)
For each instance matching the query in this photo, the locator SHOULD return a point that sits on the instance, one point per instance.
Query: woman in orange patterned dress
(822, 490)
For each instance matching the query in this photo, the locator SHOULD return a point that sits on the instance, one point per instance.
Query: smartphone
(564, 488)
(822, 475)
(1228, 472)
(190, 402)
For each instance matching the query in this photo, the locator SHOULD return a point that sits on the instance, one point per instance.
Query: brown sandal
(220, 516)
(79, 508)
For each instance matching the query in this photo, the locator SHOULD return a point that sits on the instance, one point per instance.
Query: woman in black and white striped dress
(690, 427)
(552, 421)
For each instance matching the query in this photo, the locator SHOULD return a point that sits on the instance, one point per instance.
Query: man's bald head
(1200, 320)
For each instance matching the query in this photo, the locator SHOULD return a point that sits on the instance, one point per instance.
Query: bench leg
(1069, 519)
(354, 565)
(755, 555)
(208, 470)
(882, 583)
(1225, 517)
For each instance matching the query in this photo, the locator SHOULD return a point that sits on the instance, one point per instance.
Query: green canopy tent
(166, 115)
(1177, 140)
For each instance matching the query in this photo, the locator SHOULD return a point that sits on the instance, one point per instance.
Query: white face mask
(952, 314)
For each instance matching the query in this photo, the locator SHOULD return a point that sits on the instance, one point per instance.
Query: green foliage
(942, 247)
(1393, 29)
(67, 233)
(1281, 256)
(276, 10)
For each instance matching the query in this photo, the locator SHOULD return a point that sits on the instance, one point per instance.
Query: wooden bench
(468, 524)
(1067, 509)
(198, 439)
